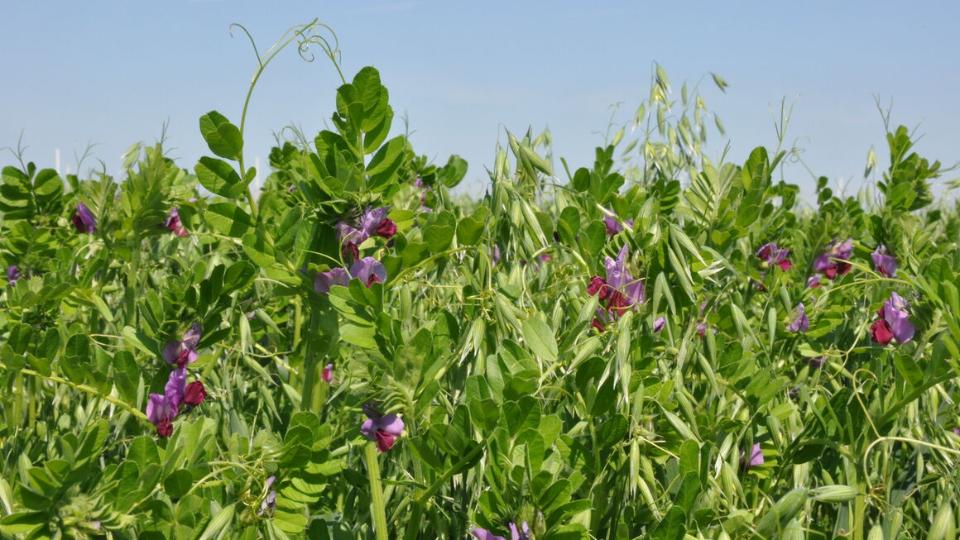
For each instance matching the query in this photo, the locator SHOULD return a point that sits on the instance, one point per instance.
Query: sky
(111, 73)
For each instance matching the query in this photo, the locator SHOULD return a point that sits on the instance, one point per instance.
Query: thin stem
(84, 388)
(377, 507)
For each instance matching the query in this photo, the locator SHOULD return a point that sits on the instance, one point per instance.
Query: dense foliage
(658, 346)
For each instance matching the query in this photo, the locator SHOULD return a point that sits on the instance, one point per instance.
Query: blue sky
(112, 72)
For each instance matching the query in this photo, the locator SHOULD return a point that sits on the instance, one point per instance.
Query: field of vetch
(659, 344)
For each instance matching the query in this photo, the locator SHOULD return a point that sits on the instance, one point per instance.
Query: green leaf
(228, 219)
(177, 484)
(540, 338)
(222, 137)
(219, 177)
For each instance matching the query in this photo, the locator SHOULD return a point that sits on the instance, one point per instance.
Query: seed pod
(834, 494)
(943, 527)
(776, 519)
(876, 533)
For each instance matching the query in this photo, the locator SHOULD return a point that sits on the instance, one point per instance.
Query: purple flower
(522, 534)
(817, 362)
(327, 374)
(833, 262)
(771, 254)
(702, 328)
(659, 324)
(382, 429)
(894, 322)
(620, 279)
(800, 321)
(160, 413)
(612, 224)
(369, 271)
(375, 222)
(83, 220)
(176, 387)
(195, 394)
(956, 431)
(495, 255)
(813, 282)
(756, 457)
(335, 276)
(886, 265)
(270, 500)
(184, 352)
(13, 274)
(174, 224)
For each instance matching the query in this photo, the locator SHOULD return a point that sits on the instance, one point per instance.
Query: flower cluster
(373, 222)
(618, 292)
(163, 408)
(893, 322)
(833, 262)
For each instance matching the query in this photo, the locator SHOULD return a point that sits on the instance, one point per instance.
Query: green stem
(311, 373)
(132, 277)
(377, 507)
(86, 389)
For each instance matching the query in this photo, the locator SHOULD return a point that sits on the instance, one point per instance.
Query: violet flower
(382, 429)
(327, 374)
(800, 321)
(83, 220)
(369, 271)
(756, 457)
(522, 534)
(376, 223)
(175, 389)
(13, 274)
(184, 352)
(817, 362)
(160, 413)
(270, 499)
(833, 262)
(771, 254)
(495, 255)
(894, 322)
(702, 328)
(335, 276)
(174, 224)
(813, 282)
(885, 265)
(612, 224)
(659, 324)
(620, 279)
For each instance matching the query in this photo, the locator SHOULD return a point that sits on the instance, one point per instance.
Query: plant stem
(310, 375)
(86, 389)
(377, 508)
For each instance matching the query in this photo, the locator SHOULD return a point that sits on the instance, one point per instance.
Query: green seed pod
(776, 519)
(944, 527)
(834, 494)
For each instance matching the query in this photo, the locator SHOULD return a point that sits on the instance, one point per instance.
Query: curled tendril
(253, 43)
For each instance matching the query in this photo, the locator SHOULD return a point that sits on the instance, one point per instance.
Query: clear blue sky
(111, 72)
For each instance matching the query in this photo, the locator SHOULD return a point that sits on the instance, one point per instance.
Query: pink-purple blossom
(833, 262)
(771, 255)
(384, 429)
(83, 220)
(174, 225)
(800, 322)
(884, 263)
(893, 322)
(13, 274)
(184, 352)
(369, 271)
(335, 276)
